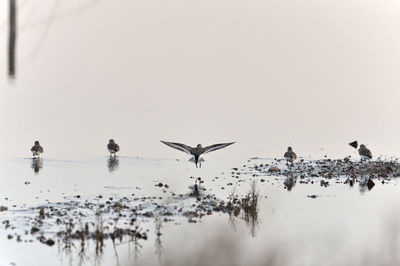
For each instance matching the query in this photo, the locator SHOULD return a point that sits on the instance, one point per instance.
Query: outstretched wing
(178, 146)
(215, 147)
(354, 144)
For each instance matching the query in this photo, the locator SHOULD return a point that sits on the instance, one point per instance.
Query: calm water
(291, 229)
(265, 74)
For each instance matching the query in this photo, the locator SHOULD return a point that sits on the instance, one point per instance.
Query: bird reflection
(289, 182)
(37, 164)
(112, 163)
(366, 184)
(158, 243)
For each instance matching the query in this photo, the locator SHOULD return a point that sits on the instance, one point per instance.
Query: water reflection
(112, 163)
(366, 184)
(246, 208)
(158, 244)
(87, 241)
(37, 164)
(289, 182)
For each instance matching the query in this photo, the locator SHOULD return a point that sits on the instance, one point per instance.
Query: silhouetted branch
(12, 38)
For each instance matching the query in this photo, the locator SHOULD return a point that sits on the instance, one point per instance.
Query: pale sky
(267, 74)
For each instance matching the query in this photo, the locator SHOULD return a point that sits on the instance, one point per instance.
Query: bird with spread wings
(196, 152)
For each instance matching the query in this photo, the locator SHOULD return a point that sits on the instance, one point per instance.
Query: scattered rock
(148, 214)
(34, 229)
(324, 183)
(274, 170)
(50, 242)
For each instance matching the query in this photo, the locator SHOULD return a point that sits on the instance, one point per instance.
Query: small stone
(148, 214)
(118, 205)
(34, 230)
(274, 169)
(50, 242)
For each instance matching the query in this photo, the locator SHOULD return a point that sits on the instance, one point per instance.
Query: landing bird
(364, 152)
(112, 147)
(290, 156)
(37, 149)
(198, 151)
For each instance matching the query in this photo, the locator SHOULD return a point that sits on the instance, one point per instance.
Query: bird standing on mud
(290, 156)
(112, 147)
(198, 151)
(364, 152)
(36, 149)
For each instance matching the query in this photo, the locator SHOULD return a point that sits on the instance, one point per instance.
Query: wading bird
(112, 147)
(37, 149)
(364, 152)
(198, 151)
(290, 156)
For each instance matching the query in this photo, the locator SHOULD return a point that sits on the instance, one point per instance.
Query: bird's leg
(200, 165)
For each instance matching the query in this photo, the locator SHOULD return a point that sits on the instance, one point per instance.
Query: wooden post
(12, 38)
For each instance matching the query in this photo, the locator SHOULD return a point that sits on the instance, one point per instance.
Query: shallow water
(291, 228)
(264, 74)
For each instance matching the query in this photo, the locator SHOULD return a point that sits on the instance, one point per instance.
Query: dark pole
(12, 38)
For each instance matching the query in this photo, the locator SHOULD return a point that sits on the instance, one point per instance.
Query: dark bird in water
(364, 152)
(112, 147)
(198, 151)
(354, 144)
(290, 156)
(37, 149)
